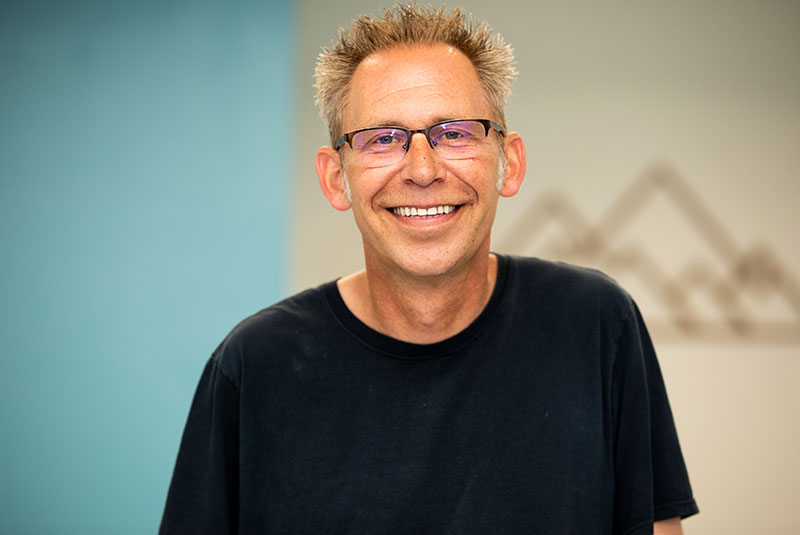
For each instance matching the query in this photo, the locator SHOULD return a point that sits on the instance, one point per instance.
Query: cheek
(489, 175)
(364, 187)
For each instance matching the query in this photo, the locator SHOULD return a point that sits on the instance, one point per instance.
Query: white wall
(611, 96)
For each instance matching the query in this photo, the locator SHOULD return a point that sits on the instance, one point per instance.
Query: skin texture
(425, 279)
(671, 526)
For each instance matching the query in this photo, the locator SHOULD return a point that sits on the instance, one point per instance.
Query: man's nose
(421, 161)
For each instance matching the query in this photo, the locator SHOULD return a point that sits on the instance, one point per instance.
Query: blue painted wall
(144, 177)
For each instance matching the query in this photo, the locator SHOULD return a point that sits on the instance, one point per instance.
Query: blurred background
(158, 186)
(143, 209)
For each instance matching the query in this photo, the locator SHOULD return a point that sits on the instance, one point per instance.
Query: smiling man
(424, 202)
(444, 388)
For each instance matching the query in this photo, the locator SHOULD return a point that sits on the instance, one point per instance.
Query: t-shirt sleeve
(203, 495)
(648, 459)
(672, 493)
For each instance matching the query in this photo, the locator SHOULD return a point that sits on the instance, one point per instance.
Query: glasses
(387, 145)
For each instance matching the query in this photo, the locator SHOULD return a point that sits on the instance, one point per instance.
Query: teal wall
(144, 176)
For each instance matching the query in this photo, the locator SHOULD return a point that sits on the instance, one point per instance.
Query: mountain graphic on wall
(662, 242)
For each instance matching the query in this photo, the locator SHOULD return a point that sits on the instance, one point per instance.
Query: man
(443, 389)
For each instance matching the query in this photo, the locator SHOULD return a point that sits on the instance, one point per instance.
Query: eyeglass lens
(376, 147)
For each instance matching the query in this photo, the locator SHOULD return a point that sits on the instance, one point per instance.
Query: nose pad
(431, 143)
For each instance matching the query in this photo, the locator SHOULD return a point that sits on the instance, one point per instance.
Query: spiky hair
(408, 25)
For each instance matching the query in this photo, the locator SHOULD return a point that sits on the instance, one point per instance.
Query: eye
(385, 139)
(379, 139)
(455, 134)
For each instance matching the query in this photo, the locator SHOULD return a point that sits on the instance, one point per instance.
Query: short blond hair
(406, 25)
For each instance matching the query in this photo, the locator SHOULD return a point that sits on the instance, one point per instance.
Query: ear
(331, 178)
(515, 164)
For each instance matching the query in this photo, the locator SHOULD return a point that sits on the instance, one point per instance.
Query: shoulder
(284, 317)
(566, 301)
(276, 330)
(565, 283)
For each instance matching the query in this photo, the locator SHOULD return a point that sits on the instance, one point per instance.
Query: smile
(433, 211)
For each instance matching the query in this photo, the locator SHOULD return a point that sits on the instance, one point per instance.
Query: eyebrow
(399, 124)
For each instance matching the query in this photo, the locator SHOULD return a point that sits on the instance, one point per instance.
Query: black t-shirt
(547, 415)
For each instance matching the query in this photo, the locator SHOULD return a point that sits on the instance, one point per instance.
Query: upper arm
(671, 526)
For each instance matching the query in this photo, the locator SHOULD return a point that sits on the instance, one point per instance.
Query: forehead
(414, 87)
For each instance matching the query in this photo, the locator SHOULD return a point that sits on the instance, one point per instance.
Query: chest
(429, 447)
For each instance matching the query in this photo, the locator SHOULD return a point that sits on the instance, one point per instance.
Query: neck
(420, 310)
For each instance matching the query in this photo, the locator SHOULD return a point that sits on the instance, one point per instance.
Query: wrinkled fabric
(548, 414)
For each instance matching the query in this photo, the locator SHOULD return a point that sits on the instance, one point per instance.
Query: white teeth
(412, 211)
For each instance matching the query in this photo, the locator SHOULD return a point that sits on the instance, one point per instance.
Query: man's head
(409, 25)
(418, 150)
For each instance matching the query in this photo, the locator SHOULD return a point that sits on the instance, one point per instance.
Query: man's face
(415, 88)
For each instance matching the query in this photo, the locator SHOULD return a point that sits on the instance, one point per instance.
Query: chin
(429, 263)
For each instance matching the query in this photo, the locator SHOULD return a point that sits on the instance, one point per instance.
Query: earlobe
(515, 164)
(331, 178)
